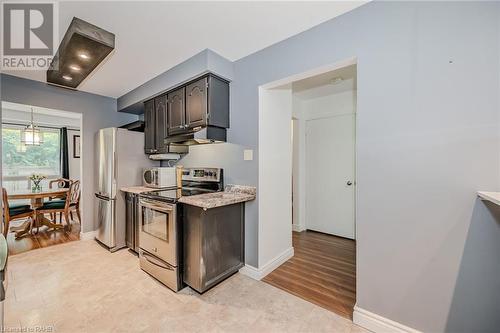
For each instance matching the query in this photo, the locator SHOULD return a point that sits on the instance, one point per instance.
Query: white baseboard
(260, 273)
(376, 323)
(298, 227)
(88, 235)
(251, 272)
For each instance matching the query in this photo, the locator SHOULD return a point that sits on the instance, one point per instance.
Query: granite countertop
(490, 196)
(232, 194)
(137, 189)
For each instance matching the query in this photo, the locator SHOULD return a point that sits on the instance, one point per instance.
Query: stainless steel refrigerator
(120, 160)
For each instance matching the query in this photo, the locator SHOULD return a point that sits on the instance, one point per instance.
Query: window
(20, 161)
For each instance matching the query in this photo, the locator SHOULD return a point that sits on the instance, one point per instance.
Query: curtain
(63, 137)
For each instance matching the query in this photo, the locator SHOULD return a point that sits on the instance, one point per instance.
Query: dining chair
(14, 212)
(60, 183)
(66, 206)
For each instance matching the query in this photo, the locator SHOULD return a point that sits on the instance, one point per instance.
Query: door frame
(273, 252)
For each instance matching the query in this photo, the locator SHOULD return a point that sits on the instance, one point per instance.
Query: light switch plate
(248, 155)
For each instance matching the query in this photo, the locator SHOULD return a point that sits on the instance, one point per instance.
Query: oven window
(155, 223)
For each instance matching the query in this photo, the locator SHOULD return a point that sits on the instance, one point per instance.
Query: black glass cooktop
(173, 194)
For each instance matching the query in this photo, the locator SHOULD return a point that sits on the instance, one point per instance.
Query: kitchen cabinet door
(218, 102)
(176, 111)
(196, 103)
(161, 121)
(149, 127)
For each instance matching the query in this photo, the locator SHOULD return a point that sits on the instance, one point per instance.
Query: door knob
(349, 183)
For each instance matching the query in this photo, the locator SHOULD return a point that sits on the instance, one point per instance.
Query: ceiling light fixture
(84, 56)
(82, 49)
(31, 135)
(336, 80)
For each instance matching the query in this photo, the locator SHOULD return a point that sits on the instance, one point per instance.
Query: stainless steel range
(160, 236)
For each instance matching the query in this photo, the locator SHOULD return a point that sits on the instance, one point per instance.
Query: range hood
(200, 135)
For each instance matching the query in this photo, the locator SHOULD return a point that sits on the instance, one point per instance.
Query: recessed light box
(82, 49)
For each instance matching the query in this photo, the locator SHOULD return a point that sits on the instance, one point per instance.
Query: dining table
(37, 198)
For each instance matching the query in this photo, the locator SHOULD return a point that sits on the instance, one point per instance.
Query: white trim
(88, 235)
(260, 273)
(251, 272)
(298, 227)
(376, 323)
(313, 72)
(40, 110)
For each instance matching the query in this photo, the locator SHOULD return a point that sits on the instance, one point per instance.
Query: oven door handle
(153, 205)
(155, 262)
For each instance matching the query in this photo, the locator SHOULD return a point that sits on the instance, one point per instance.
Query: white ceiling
(152, 37)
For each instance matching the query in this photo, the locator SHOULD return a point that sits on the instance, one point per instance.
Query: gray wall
(202, 62)
(97, 112)
(428, 138)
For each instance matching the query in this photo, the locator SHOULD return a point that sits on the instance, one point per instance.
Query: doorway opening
(51, 152)
(322, 111)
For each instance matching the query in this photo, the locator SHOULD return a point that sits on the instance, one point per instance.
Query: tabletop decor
(36, 179)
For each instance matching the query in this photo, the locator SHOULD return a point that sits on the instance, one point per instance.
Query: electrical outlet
(248, 155)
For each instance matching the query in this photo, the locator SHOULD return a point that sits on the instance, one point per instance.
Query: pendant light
(31, 135)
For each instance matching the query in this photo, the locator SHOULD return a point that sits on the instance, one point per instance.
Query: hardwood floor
(44, 238)
(322, 271)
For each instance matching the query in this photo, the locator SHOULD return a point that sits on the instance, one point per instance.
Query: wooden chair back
(5, 204)
(73, 194)
(61, 182)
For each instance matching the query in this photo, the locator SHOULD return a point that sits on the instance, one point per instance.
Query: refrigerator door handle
(102, 197)
(115, 175)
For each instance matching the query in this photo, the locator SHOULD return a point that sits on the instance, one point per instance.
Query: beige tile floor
(80, 287)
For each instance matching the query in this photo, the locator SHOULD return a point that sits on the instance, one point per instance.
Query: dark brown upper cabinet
(155, 125)
(161, 122)
(186, 109)
(196, 103)
(176, 111)
(203, 102)
(149, 126)
(217, 102)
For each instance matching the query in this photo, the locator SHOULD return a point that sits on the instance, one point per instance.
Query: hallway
(322, 271)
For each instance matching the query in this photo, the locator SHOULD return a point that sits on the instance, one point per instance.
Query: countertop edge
(239, 198)
(493, 197)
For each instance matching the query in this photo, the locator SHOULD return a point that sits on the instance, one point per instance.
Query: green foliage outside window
(23, 161)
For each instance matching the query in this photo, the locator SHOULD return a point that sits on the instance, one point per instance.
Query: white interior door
(330, 192)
